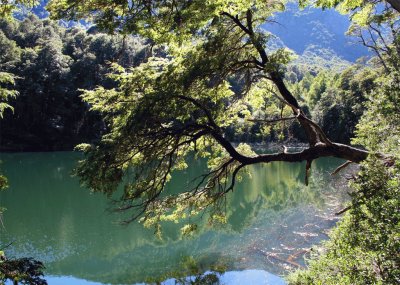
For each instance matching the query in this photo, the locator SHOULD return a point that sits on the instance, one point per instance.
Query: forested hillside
(51, 65)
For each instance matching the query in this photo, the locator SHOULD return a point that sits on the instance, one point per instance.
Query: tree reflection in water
(270, 216)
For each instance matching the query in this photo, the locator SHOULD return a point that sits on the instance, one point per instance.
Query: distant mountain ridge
(299, 30)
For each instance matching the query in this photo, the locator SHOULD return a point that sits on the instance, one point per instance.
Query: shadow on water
(272, 220)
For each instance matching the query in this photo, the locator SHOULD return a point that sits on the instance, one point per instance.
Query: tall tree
(181, 100)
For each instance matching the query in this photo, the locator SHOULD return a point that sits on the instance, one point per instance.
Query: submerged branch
(344, 165)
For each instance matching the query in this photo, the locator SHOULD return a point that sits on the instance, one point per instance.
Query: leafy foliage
(379, 128)
(5, 93)
(336, 101)
(7, 7)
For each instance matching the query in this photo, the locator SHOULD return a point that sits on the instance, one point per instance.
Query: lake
(273, 220)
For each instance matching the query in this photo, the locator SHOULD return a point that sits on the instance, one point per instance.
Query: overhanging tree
(181, 99)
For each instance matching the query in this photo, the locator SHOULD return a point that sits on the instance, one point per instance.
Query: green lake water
(273, 219)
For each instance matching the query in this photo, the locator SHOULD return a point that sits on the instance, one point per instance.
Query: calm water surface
(273, 220)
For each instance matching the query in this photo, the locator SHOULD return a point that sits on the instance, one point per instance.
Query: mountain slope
(298, 29)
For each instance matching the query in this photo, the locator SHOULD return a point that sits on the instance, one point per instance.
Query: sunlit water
(273, 220)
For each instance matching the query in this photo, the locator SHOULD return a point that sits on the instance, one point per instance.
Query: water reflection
(271, 215)
(231, 278)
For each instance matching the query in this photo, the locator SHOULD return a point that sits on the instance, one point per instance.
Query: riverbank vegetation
(363, 248)
(201, 78)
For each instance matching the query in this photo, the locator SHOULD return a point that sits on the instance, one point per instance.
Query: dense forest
(51, 64)
(147, 84)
